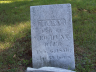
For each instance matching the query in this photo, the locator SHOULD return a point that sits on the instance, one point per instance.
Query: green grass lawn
(15, 34)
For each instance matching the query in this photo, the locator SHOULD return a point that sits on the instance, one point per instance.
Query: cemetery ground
(15, 34)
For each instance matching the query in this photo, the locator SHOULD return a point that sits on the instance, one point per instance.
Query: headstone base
(47, 69)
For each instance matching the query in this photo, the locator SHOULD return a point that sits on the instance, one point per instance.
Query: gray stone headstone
(52, 36)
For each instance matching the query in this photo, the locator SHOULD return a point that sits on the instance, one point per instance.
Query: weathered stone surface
(52, 36)
(47, 69)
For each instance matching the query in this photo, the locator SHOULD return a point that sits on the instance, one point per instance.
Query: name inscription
(54, 37)
(51, 37)
(52, 22)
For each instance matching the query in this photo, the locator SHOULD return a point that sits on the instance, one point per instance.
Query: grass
(15, 33)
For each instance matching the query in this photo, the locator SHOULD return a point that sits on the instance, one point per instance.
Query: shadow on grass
(15, 12)
(18, 56)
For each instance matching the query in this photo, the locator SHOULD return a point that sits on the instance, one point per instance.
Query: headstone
(52, 36)
(47, 69)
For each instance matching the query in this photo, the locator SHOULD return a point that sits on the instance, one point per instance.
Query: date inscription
(53, 58)
(60, 50)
